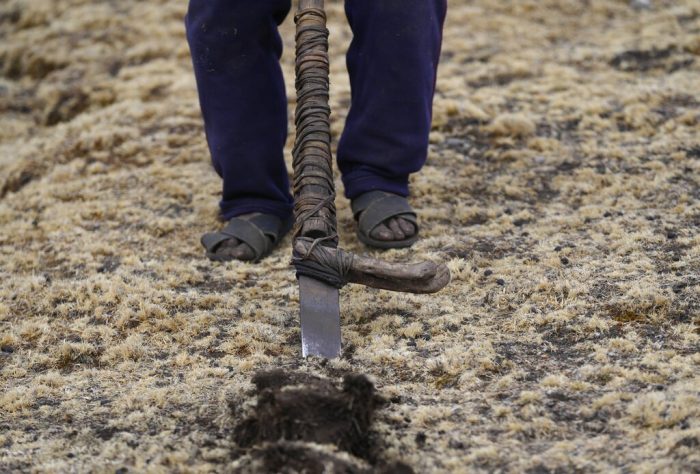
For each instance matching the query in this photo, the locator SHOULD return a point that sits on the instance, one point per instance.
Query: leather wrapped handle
(313, 186)
(315, 252)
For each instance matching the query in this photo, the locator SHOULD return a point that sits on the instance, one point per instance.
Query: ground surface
(562, 189)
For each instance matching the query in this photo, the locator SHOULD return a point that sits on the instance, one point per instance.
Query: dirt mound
(296, 413)
(288, 457)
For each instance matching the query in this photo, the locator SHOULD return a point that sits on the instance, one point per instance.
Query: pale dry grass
(561, 189)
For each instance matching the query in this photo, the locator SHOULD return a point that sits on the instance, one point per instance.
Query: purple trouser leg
(392, 63)
(235, 50)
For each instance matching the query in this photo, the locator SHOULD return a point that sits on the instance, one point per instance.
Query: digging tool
(322, 268)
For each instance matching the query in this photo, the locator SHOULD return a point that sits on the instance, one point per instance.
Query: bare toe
(226, 248)
(243, 252)
(382, 232)
(396, 229)
(235, 249)
(408, 228)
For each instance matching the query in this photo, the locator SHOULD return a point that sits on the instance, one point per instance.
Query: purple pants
(392, 62)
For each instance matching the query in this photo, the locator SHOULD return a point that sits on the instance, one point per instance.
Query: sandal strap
(211, 240)
(361, 202)
(270, 225)
(253, 231)
(376, 207)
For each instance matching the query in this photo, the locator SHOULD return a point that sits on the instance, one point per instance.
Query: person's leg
(235, 49)
(392, 63)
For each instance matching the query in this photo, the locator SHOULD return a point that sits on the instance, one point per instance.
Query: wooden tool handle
(314, 189)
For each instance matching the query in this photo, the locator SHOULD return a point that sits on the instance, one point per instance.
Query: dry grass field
(562, 188)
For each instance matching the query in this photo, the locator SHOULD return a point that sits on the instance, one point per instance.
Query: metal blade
(320, 318)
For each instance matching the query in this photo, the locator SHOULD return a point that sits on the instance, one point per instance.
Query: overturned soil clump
(295, 413)
(290, 457)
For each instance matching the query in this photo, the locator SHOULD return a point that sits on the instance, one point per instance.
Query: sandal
(260, 231)
(373, 208)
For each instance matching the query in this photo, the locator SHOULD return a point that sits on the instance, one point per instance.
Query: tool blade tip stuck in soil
(320, 318)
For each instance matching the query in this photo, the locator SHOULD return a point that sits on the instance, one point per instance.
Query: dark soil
(295, 408)
(285, 457)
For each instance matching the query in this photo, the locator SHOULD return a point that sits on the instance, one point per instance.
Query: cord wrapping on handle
(313, 185)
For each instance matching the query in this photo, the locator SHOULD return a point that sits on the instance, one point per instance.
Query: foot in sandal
(385, 220)
(248, 237)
